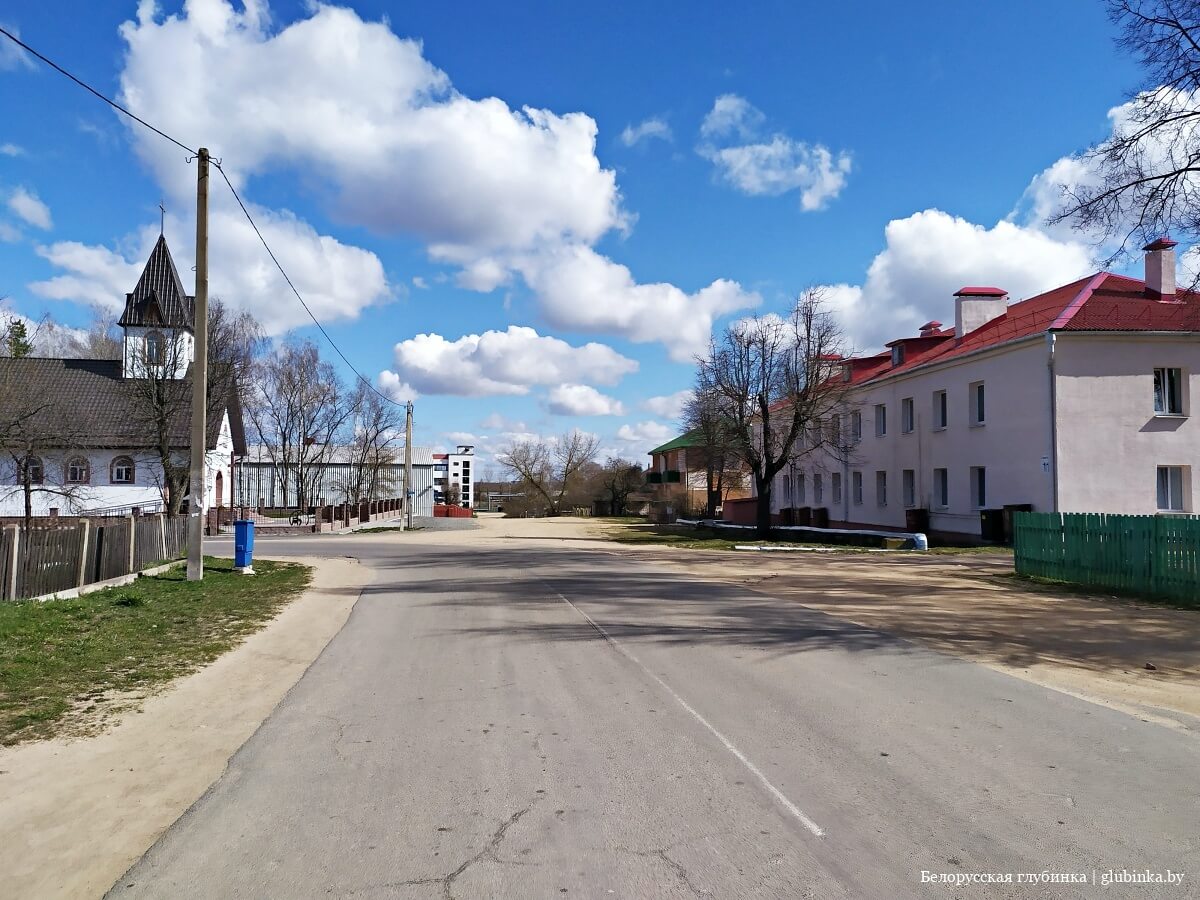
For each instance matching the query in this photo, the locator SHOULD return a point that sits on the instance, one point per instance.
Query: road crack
(489, 851)
(680, 872)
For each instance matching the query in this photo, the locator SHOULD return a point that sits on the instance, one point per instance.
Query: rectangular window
(978, 407)
(835, 431)
(1170, 489)
(800, 488)
(1168, 392)
(909, 484)
(856, 426)
(880, 420)
(979, 486)
(836, 480)
(939, 409)
(897, 354)
(941, 488)
(856, 487)
(881, 488)
(818, 490)
(906, 415)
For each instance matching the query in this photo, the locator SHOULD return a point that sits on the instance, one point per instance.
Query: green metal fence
(1154, 556)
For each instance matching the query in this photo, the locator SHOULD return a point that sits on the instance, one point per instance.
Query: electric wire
(218, 166)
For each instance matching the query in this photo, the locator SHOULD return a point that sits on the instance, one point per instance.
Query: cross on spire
(162, 218)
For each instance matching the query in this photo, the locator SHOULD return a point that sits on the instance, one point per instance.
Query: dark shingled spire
(159, 298)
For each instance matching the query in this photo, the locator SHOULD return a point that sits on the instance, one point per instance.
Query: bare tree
(1143, 180)
(715, 446)
(161, 400)
(375, 427)
(771, 381)
(300, 410)
(619, 479)
(550, 469)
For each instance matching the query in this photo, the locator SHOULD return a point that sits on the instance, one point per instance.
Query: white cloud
(648, 433)
(503, 362)
(462, 437)
(391, 384)
(12, 56)
(580, 289)
(670, 406)
(496, 422)
(930, 255)
(26, 205)
(731, 115)
(336, 280)
(9, 233)
(769, 166)
(420, 283)
(582, 400)
(649, 129)
(11, 150)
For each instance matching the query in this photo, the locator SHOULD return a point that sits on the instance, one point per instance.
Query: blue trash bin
(243, 545)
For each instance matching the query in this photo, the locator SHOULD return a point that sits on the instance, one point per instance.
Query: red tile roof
(981, 292)
(1100, 302)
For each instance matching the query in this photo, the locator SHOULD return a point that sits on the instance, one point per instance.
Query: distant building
(455, 468)
(261, 484)
(678, 477)
(110, 461)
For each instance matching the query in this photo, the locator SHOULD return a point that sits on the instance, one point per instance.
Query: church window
(155, 348)
(122, 470)
(77, 470)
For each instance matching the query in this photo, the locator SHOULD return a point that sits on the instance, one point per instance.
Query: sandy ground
(75, 814)
(1092, 647)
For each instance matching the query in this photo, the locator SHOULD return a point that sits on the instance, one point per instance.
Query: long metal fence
(1152, 556)
(56, 555)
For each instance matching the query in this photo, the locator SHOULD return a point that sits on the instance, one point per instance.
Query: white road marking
(728, 744)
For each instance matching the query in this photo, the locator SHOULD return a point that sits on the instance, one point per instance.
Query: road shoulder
(76, 814)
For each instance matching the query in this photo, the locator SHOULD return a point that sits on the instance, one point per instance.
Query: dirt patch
(75, 814)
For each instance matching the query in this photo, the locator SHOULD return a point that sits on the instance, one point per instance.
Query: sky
(530, 217)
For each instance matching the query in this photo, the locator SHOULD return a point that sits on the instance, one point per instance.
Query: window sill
(978, 424)
(909, 431)
(1170, 415)
(938, 428)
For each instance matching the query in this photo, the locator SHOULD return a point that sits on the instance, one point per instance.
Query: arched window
(32, 467)
(121, 471)
(156, 350)
(78, 470)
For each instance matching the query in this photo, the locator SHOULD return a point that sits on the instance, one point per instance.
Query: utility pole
(195, 565)
(408, 489)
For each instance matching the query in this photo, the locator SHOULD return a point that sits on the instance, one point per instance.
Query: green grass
(986, 549)
(66, 664)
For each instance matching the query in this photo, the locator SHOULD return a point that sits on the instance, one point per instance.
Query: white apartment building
(1076, 400)
(455, 468)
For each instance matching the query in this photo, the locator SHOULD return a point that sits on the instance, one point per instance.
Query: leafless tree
(715, 446)
(1143, 180)
(161, 401)
(550, 469)
(772, 380)
(619, 479)
(375, 428)
(300, 411)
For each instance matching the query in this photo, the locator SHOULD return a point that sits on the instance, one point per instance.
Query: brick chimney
(1160, 268)
(974, 307)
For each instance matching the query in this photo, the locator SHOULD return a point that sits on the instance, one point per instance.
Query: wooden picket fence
(55, 556)
(1152, 556)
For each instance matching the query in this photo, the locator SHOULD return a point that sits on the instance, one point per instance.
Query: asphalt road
(516, 719)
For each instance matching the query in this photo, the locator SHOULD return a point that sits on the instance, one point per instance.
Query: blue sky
(682, 165)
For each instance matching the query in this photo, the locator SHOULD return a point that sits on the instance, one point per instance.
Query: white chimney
(1160, 268)
(974, 307)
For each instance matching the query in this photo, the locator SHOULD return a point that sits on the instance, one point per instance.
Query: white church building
(74, 431)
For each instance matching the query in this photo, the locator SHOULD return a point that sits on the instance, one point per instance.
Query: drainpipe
(1051, 343)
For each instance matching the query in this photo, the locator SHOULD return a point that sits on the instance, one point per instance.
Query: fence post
(132, 545)
(162, 534)
(83, 552)
(15, 562)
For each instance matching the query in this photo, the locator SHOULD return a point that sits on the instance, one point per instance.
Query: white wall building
(1076, 400)
(455, 468)
(105, 459)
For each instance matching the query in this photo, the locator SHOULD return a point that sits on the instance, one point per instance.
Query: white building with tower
(74, 436)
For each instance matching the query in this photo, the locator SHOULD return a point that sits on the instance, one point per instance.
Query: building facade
(261, 484)
(677, 477)
(1076, 400)
(76, 432)
(455, 469)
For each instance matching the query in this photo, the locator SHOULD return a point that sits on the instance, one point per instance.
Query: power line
(87, 87)
(217, 165)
